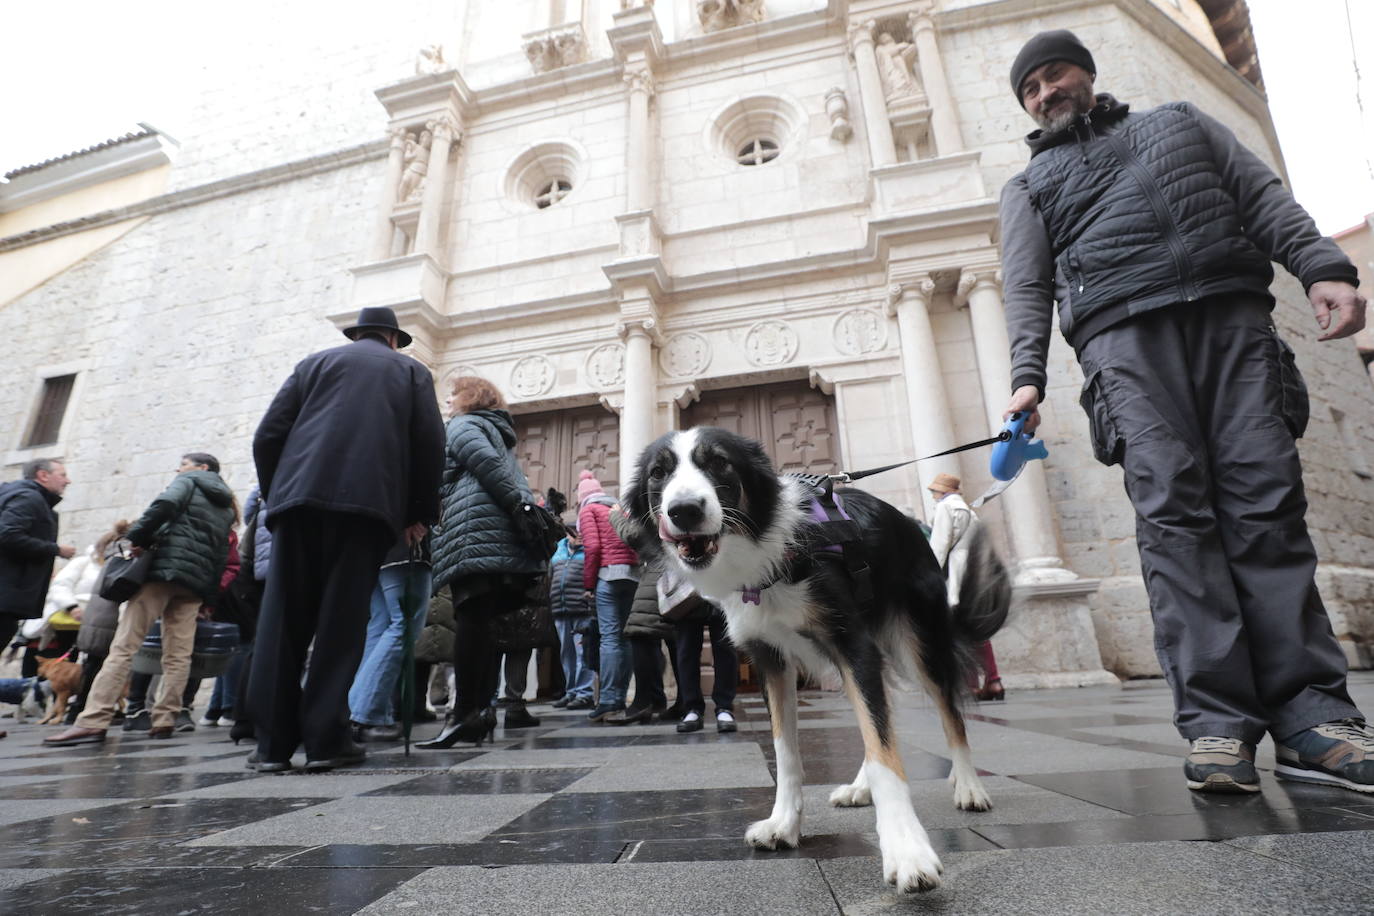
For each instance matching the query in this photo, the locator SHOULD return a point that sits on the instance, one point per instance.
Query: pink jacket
(602, 545)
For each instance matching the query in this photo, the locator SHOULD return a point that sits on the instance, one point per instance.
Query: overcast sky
(116, 64)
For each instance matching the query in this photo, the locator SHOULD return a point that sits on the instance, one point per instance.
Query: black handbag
(540, 529)
(529, 625)
(125, 573)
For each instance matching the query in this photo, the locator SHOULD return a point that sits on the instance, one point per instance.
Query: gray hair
(31, 468)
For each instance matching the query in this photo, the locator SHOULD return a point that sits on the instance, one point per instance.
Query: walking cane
(408, 612)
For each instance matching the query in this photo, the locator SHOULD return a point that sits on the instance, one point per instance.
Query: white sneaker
(208, 722)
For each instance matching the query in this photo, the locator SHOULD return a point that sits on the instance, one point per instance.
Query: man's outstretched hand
(416, 533)
(1338, 307)
(1025, 399)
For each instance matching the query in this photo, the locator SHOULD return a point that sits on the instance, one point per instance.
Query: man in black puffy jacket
(349, 458)
(187, 527)
(1154, 232)
(28, 542)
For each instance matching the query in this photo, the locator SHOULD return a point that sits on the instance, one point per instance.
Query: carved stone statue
(558, 47)
(430, 60)
(726, 14)
(895, 65)
(416, 165)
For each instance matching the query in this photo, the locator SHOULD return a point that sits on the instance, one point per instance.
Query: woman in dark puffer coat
(481, 550)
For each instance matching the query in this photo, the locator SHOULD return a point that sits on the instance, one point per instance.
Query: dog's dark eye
(717, 464)
(656, 473)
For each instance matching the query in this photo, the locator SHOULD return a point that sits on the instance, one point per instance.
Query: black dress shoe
(273, 766)
(350, 755)
(376, 734)
(519, 717)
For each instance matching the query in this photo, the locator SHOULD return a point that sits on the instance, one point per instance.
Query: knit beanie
(1058, 44)
(587, 485)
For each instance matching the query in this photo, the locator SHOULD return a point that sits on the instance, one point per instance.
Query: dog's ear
(635, 522)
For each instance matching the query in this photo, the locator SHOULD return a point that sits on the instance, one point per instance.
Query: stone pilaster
(944, 119)
(444, 132)
(641, 387)
(932, 428)
(385, 232)
(882, 148)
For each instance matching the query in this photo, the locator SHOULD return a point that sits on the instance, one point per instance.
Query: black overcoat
(355, 429)
(28, 547)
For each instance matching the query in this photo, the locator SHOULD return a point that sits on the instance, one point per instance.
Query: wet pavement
(1090, 815)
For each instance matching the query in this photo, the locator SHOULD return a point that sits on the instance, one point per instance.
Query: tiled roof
(114, 141)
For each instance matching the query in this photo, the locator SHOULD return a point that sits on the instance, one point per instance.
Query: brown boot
(992, 690)
(74, 736)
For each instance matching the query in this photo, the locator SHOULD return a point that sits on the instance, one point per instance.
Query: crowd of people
(367, 584)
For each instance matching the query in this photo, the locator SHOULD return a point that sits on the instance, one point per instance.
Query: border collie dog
(709, 504)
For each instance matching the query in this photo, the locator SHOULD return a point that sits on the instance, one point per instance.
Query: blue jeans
(575, 671)
(12, 688)
(613, 600)
(226, 692)
(369, 700)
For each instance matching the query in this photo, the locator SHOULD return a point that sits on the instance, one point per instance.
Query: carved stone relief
(532, 376)
(896, 67)
(686, 355)
(430, 60)
(715, 15)
(551, 49)
(860, 330)
(770, 343)
(416, 165)
(606, 366)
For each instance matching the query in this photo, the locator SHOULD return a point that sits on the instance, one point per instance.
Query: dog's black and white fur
(709, 503)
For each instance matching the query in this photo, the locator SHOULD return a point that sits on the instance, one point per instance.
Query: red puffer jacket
(601, 544)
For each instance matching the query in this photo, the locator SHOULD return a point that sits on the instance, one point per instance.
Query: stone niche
(716, 15)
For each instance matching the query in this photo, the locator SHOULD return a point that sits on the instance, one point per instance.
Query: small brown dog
(65, 678)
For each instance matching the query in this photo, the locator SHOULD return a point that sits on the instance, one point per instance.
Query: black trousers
(723, 658)
(1192, 401)
(8, 627)
(646, 652)
(319, 586)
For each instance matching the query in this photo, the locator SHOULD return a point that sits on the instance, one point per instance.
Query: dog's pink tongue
(663, 533)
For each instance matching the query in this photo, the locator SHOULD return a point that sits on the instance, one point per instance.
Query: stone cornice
(200, 194)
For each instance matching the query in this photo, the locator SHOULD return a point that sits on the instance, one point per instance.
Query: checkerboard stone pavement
(1091, 815)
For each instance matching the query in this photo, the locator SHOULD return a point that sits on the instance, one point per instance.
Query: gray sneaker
(1221, 765)
(1337, 753)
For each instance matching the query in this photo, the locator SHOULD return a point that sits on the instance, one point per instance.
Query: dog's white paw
(909, 864)
(969, 795)
(774, 833)
(851, 796)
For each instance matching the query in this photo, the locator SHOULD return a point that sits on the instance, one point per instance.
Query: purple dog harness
(832, 531)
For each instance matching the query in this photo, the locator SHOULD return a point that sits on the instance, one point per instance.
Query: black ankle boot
(476, 726)
(519, 717)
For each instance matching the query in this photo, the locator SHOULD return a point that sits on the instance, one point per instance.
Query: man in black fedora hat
(349, 456)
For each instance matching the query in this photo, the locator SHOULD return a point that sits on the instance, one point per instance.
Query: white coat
(950, 534)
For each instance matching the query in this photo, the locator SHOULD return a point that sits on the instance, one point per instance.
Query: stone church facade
(777, 216)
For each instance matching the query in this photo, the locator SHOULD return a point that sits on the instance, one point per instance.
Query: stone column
(638, 164)
(436, 179)
(944, 119)
(881, 147)
(637, 416)
(932, 429)
(385, 233)
(1030, 521)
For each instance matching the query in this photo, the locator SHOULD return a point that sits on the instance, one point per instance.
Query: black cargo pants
(1200, 404)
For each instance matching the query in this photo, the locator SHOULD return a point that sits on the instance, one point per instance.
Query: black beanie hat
(1059, 44)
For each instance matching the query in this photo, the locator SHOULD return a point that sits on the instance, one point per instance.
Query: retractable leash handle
(1011, 454)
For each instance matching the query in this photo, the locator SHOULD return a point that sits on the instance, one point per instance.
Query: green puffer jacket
(189, 527)
(644, 621)
(483, 487)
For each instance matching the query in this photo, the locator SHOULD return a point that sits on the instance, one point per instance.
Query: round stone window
(756, 129)
(545, 174)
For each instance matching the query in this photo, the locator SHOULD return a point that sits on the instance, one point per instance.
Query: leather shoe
(272, 766)
(376, 734)
(74, 736)
(349, 755)
(160, 731)
(519, 717)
